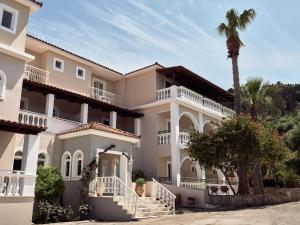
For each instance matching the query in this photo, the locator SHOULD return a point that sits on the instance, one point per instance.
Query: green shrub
(84, 211)
(138, 174)
(140, 181)
(51, 213)
(287, 178)
(49, 184)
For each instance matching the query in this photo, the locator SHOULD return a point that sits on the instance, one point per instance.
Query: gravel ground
(284, 214)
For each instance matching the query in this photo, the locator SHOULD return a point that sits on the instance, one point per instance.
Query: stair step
(151, 214)
(152, 209)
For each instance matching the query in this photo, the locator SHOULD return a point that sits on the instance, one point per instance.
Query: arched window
(2, 85)
(18, 160)
(66, 165)
(77, 163)
(41, 159)
(116, 168)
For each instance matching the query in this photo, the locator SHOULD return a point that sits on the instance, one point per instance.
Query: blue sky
(129, 34)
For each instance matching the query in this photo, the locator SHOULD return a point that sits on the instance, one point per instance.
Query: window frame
(63, 165)
(100, 81)
(19, 157)
(45, 160)
(15, 12)
(75, 161)
(2, 85)
(83, 70)
(56, 59)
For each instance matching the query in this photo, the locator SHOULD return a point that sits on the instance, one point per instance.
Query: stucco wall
(7, 146)
(17, 40)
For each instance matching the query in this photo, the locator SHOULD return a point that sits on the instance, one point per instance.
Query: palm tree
(235, 22)
(254, 94)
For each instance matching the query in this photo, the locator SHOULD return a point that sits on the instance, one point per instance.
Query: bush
(288, 178)
(138, 174)
(50, 213)
(140, 181)
(49, 184)
(84, 211)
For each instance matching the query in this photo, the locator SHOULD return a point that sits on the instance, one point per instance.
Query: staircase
(161, 202)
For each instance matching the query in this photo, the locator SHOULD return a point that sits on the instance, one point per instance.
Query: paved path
(284, 214)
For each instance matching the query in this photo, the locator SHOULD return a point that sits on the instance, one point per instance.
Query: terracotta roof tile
(145, 67)
(21, 128)
(101, 127)
(36, 2)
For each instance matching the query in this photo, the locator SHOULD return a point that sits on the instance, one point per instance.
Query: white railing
(193, 185)
(32, 118)
(184, 138)
(159, 192)
(164, 138)
(163, 94)
(11, 183)
(118, 189)
(185, 93)
(105, 96)
(35, 74)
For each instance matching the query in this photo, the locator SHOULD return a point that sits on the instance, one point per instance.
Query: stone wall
(272, 197)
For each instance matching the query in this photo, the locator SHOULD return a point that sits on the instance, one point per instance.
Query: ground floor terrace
(284, 214)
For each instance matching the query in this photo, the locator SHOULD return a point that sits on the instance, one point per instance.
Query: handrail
(32, 118)
(105, 96)
(36, 74)
(115, 186)
(159, 192)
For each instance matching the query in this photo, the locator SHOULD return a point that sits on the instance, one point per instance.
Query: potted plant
(191, 201)
(139, 187)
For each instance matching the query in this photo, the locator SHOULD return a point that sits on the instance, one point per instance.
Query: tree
(253, 93)
(237, 144)
(49, 184)
(235, 22)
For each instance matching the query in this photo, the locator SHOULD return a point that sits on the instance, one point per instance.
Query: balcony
(35, 74)
(164, 138)
(32, 118)
(105, 96)
(189, 95)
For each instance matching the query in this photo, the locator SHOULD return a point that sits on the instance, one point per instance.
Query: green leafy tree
(49, 184)
(235, 22)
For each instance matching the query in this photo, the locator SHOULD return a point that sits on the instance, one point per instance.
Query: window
(99, 84)
(24, 103)
(77, 164)
(58, 64)
(2, 85)
(66, 165)
(18, 161)
(80, 73)
(41, 159)
(169, 169)
(8, 18)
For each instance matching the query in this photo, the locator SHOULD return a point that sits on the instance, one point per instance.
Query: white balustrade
(105, 96)
(163, 94)
(184, 138)
(118, 189)
(11, 183)
(193, 185)
(159, 192)
(35, 74)
(32, 118)
(164, 138)
(185, 93)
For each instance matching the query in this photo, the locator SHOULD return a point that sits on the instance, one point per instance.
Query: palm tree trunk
(236, 84)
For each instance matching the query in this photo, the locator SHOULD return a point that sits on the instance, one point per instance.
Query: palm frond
(232, 17)
(246, 18)
(223, 29)
(255, 90)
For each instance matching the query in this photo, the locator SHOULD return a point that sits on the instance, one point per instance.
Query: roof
(76, 97)
(143, 68)
(36, 2)
(74, 54)
(101, 127)
(20, 128)
(197, 83)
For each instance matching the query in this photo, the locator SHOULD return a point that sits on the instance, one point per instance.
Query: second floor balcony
(35, 74)
(164, 138)
(188, 95)
(105, 96)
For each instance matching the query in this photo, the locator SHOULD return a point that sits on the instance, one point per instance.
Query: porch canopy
(193, 81)
(20, 128)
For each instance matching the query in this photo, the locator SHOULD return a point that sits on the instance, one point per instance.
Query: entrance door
(169, 169)
(99, 86)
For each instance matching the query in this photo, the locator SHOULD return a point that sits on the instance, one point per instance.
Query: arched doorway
(188, 171)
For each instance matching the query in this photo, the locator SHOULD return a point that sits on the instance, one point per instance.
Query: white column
(200, 121)
(221, 176)
(175, 151)
(84, 113)
(49, 105)
(113, 119)
(123, 168)
(29, 162)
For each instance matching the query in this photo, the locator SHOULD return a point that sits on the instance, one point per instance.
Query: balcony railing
(185, 93)
(165, 138)
(32, 118)
(12, 182)
(35, 74)
(105, 96)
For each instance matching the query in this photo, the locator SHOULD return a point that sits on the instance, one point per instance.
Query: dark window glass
(7, 18)
(58, 64)
(80, 73)
(17, 164)
(79, 167)
(67, 169)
